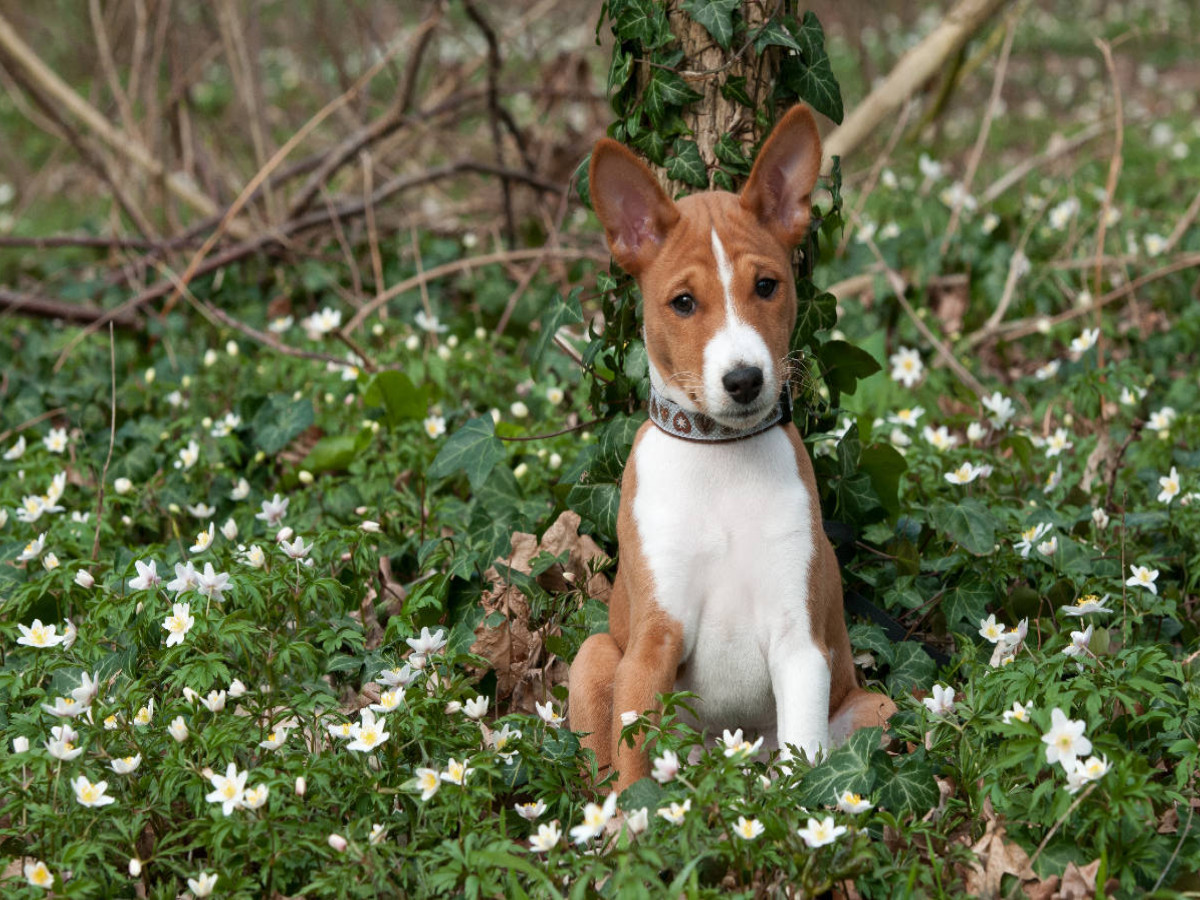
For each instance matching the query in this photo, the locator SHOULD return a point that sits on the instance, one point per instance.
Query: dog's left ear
(779, 190)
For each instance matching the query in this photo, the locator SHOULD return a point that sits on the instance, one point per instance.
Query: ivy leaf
(582, 183)
(729, 151)
(687, 166)
(666, 89)
(640, 20)
(279, 421)
(810, 75)
(967, 602)
(843, 365)
(598, 504)
(335, 451)
(716, 16)
(644, 792)
(400, 398)
(816, 85)
(912, 789)
(473, 449)
(848, 768)
(911, 667)
(857, 502)
(734, 88)
(884, 464)
(562, 311)
(620, 70)
(815, 311)
(969, 523)
(774, 34)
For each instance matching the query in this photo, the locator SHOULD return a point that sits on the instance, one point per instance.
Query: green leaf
(640, 20)
(644, 792)
(969, 523)
(912, 789)
(968, 601)
(279, 421)
(716, 16)
(729, 150)
(857, 502)
(774, 34)
(884, 464)
(848, 768)
(734, 88)
(815, 311)
(400, 398)
(843, 365)
(562, 311)
(911, 667)
(335, 451)
(865, 636)
(620, 70)
(473, 449)
(817, 86)
(687, 166)
(598, 504)
(666, 89)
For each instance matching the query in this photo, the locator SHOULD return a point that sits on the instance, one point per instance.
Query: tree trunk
(709, 67)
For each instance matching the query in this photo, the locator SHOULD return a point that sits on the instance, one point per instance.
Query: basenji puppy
(727, 585)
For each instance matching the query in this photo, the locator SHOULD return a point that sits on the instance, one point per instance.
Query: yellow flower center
(229, 791)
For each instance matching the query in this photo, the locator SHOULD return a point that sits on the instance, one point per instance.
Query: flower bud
(337, 842)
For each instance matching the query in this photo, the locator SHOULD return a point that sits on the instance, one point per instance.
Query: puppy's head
(714, 270)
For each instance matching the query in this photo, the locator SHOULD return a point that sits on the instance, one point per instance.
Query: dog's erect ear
(635, 211)
(780, 186)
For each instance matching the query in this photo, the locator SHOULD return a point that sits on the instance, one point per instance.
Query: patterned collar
(678, 422)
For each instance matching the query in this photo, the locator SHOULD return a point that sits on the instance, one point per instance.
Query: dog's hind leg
(591, 696)
(859, 709)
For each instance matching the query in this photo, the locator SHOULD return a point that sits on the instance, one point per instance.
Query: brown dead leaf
(948, 298)
(1077, 883)
(997, 857)
(525, 671)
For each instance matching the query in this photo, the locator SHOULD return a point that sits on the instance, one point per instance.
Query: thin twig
(562, 431)
(462, 265)
(494, 115)
(381, 127)
(279, 156)
(899, 287)
(1178, 846)
(984, 129)
(1184, 223)
(25, 426)
(876, 169)
(48, 308)
(1025, 327)
(1057, 147)
(1110, 186)
(15, 51)
(112, 437)
(315, 219)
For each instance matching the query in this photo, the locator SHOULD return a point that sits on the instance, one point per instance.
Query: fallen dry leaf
(525, 671)
(997, 857)
(1077, 883)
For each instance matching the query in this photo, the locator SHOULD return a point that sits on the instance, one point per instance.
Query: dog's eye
(684, 305)
(765, 287)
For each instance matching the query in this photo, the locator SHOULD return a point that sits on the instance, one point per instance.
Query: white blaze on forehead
(735, 344)
(725, 273)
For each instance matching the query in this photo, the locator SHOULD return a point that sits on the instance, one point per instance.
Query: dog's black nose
(744, 384)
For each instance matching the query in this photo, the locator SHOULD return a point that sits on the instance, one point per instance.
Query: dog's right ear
(633, 208)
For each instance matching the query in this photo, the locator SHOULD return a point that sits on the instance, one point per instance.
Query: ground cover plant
(290, 574)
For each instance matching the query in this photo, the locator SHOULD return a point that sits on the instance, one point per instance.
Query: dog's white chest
(726, 530)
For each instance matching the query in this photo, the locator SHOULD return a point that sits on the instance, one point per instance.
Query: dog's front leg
(646, 670)
(800, 680)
